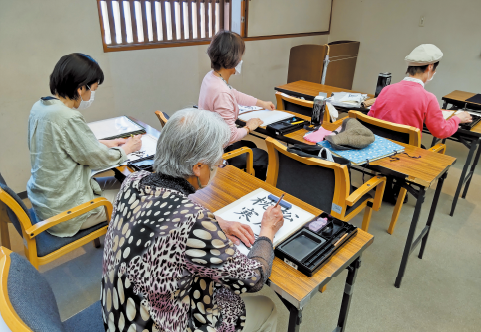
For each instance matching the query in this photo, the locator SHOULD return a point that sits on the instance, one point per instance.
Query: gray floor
(442, 292)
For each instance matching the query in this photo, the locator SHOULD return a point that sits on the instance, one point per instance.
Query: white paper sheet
(113, 127)
(149, 146)
(267, 116)
(447, 114)
(243, 109)
(250, 209)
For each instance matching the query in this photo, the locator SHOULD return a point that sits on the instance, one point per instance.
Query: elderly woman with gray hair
(168, 263)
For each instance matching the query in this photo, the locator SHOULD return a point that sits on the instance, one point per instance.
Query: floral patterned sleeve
(211, 254)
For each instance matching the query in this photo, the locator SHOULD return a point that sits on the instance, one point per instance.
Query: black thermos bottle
(384, 79)
(318, 109)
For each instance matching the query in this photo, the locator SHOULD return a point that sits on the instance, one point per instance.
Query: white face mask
(238, 68)
(431, 77)
(213, 171)
(86, 104)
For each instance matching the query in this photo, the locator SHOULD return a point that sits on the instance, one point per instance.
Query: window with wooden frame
(140, 24)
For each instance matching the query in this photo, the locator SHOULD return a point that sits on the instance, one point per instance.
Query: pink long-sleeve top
(408, 103)
(217, 97)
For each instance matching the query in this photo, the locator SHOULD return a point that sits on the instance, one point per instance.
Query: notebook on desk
(380, 148)
(114, 128)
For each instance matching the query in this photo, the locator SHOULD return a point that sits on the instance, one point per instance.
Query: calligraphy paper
(250, 208)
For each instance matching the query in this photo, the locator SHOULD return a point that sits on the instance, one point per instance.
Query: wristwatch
(248, 130)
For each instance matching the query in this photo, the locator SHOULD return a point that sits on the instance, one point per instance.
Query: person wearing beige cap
(408, 103)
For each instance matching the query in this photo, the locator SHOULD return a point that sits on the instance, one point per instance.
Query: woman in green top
(63, 149)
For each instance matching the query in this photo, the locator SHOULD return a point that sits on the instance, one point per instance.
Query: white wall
(388, 31)
(35, 34)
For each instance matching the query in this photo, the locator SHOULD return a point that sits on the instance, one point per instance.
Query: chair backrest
(27, 302)
(315, 181)
(306, 63)
(163, 117)
(396, 132)
(12, 206)
(297, 105)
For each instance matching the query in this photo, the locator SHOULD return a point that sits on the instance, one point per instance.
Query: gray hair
(191, 136)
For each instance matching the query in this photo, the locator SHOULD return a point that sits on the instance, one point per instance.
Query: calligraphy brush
(280, 199)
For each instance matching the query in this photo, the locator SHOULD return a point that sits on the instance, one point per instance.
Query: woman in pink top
(216, 95)
(408, 103)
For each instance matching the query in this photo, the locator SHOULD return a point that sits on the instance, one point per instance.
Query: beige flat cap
(424, 55)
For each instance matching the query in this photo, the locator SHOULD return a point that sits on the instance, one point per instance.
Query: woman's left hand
(113, 143)
(236, 230)
(268, 105)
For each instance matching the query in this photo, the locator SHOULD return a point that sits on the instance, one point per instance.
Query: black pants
(260, 158)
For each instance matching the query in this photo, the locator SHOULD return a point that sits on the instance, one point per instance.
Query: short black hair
(225, 50)
(413, 70)
(74, 71)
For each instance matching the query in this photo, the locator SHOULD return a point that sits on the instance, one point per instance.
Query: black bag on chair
(312, 151)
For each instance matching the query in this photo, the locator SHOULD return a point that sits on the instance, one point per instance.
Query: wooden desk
(294, 288)
(458, 99)
(309, 90)
(304, 88)
(471, 139)
(413, 174)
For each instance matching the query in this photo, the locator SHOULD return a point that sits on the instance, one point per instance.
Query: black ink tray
(286, 126)
(308, 251)
(144, 164)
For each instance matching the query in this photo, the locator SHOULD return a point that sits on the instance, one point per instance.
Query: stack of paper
(267, 116)
(348, 99)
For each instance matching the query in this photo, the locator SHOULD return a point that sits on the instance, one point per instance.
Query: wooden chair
(163, 118)
(399, 133)
(297, 105)
(41, 247)
(323, 184)
(27, 302)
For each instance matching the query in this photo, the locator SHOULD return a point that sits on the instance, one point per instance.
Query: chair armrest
(67, 215)
(376, 181)
(249, 160)
(439, 148)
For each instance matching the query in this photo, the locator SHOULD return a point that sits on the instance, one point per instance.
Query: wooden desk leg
(347, 296)
(432, 212)
(462, 179)
(295, 319)
(471, 171)
(409, 241)
(4, 233)
(295, 315)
